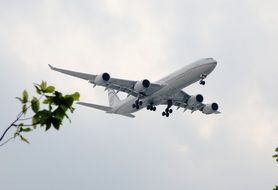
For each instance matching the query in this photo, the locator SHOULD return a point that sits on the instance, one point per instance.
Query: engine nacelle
(193, 100)
(210, 108)
(140, 86)
(102, 79)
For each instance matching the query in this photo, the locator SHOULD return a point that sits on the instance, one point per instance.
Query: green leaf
(64, 108)
(19, 127)
(38, 89)
(16, 134)
(72, 109)
(59, 113)
(50, 89)
(26, 129)
(276, 150)
(24, 97)
(24, 108)
(24, 139)
(75, 96)
(56, 122)
(46, 101)
(68, 101)
(43, 86)
(35, 104)
(20, 99)
(48, 126)
(35, 120)
(43, 116)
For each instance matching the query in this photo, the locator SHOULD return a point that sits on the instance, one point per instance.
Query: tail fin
(113, 98)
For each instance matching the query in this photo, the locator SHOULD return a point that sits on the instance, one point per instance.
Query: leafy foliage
(47, 111)
(276, 155)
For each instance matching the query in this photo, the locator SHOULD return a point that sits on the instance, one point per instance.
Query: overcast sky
(137, 40)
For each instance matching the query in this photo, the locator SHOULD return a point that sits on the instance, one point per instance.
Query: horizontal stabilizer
(103, 108)
(128, 115)
(99, 107)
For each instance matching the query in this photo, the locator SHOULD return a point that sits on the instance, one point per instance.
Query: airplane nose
(213, 64)
(211, 61)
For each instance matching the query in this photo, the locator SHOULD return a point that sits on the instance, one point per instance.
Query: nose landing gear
(168, 111)
(202, 82)
(202, 76)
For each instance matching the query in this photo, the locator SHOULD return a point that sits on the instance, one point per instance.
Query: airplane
(144, 94)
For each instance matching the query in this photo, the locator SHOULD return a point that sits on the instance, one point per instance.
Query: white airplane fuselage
(172, 84)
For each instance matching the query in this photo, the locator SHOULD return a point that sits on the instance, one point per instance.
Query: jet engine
(193, 100)
(140, 86)
(102, 79)
(210, 108)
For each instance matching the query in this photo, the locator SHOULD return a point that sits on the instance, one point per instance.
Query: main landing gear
(137, 104)
(151, 107)
(168, 111)
(202, 82)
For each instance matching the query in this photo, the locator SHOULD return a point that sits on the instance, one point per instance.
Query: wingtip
(50, 66)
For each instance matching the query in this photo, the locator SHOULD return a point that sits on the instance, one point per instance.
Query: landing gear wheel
(202, 82)
(137, 107)
(140, 103)
(170, 111)
(133, 106)
(151, 107)
(167, 114)
(163, 113)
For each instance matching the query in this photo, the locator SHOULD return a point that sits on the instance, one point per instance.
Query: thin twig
(26, 125)
(12, 125)
(28, 118)
(7, 141)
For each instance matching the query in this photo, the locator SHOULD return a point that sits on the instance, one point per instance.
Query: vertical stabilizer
(113, 98)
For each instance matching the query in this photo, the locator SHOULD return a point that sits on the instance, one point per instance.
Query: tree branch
(7, 141)
(25, 119)
(12, 125)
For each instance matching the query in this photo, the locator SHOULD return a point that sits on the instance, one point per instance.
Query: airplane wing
(122, 85)
(180, 101)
